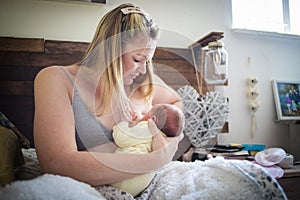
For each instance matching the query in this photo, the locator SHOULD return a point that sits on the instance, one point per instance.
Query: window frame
(286, 33)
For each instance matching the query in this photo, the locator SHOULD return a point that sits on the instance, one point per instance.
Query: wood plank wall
(22, 58)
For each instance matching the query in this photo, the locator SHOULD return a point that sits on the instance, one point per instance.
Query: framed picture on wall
(287, 99)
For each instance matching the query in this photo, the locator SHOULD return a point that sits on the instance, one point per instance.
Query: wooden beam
(65, 47)
(211, 37)
(21, 44)
(18, 73)
(16, 88)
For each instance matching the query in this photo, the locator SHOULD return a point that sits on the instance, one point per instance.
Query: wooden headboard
(22, 58)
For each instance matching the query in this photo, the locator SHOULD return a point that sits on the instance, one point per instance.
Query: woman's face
(134, 58)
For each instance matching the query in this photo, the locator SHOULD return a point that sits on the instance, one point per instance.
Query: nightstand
(290, 182)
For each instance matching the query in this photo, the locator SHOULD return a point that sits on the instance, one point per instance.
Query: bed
(22, 58)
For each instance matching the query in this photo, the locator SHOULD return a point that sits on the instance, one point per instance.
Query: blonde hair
(114, 32)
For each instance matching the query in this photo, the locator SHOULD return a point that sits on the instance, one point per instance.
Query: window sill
(267, 34)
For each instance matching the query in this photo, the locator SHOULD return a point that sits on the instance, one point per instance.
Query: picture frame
(287, 99)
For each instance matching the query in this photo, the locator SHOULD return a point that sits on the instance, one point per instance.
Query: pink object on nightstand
(269, 157)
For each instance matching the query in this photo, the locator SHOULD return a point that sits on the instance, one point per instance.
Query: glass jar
(215, 64)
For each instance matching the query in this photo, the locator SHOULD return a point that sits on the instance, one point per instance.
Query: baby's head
(168, 118)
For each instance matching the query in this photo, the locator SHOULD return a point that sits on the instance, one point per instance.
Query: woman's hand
(167, 145)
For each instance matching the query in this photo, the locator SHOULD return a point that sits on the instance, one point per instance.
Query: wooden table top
(292, 172)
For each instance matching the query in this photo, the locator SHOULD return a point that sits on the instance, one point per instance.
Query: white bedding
(216, 178)
(49, 187)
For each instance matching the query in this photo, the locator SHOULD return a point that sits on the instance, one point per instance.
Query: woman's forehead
(140, 46)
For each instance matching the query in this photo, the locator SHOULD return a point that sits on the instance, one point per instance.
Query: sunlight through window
(280, 16)
(295, 16)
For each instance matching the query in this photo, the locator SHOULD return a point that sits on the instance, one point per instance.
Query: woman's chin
(128, 82)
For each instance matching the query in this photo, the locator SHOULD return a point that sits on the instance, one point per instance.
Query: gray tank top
(89, 131)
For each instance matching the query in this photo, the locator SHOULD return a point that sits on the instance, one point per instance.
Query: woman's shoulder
(52, 76)
(52, 82)
(53, 73)
(48, 71)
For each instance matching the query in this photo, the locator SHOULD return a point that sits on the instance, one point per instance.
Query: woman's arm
(54, 134)
(164, 94)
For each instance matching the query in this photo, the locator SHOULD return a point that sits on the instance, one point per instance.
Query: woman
(76, 106)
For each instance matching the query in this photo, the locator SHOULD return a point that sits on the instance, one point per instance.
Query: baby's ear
(153, 117)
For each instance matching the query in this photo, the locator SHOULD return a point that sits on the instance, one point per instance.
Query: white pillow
(48, 187)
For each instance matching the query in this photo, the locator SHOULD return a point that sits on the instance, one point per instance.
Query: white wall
(182, 23)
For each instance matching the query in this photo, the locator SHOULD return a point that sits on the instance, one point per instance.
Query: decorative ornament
(205, 115)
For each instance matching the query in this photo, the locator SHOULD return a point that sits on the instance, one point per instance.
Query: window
(281, 16)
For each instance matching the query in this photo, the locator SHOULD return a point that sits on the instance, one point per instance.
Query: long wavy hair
(114, 31)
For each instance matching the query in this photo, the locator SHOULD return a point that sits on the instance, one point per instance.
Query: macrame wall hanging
(252, 93)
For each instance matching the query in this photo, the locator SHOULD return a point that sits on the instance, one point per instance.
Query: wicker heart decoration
(205, 115)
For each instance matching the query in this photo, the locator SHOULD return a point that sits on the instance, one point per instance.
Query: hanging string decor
(205, 115)
(252, 94)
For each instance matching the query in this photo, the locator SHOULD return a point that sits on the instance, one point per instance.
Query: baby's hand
(135, 118)
(132, 123)
(133, 115)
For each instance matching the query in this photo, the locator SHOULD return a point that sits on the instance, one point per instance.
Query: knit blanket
(216, 178)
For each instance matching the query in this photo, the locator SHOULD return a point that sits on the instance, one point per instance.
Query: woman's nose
(142, 68)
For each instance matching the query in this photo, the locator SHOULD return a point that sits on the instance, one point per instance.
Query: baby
(137, 139)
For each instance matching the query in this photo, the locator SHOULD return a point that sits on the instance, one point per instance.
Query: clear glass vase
(216, 64)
